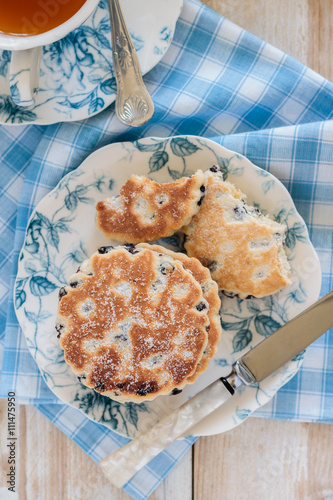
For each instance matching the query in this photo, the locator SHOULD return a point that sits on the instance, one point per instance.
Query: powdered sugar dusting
(211, 301)
(144, 332)
(242, 248)
(146, 210)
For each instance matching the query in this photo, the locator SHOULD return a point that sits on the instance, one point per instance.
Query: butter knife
(257, 364)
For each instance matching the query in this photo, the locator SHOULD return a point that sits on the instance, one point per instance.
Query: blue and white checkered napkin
(217, 81)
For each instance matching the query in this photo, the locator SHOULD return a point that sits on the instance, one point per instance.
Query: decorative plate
(61, 233)
(76, 76)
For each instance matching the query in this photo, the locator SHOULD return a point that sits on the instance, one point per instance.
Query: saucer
(61, 233)
(76, 74)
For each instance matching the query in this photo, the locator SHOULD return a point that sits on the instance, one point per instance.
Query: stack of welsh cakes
(138, 320)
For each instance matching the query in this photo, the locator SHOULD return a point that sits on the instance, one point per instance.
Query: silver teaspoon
(134, 105)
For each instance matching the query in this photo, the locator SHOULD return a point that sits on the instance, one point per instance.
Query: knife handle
(121, 465)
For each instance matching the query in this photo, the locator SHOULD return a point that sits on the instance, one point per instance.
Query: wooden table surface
(259, 460)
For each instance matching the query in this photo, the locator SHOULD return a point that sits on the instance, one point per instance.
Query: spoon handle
(134, 105)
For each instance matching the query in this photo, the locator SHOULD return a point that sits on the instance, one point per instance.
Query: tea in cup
(27, 25)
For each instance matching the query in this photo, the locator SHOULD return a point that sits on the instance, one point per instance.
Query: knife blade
(257, 364)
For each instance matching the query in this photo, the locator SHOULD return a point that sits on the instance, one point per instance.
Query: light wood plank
(283, 24)
(266, 459)
(295, 458)
(54, 467)
(178, 484)
(321, 37)
(301, 28)
(3, 439)
(4, 454)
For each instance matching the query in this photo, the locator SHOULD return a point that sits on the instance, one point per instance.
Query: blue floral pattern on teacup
(76, 75)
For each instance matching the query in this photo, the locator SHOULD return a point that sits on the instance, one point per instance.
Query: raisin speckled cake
(133, 323)
(210, 294)
(242, 248)
(146, 210)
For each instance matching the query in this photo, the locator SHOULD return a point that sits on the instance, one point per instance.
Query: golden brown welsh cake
(133, 323)
(146, 210)
(242, 248)
(210, 294)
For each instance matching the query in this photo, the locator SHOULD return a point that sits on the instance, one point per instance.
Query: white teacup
(27, 49)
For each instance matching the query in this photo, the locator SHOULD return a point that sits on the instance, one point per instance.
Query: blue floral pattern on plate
(76, 76)
(61, 233)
